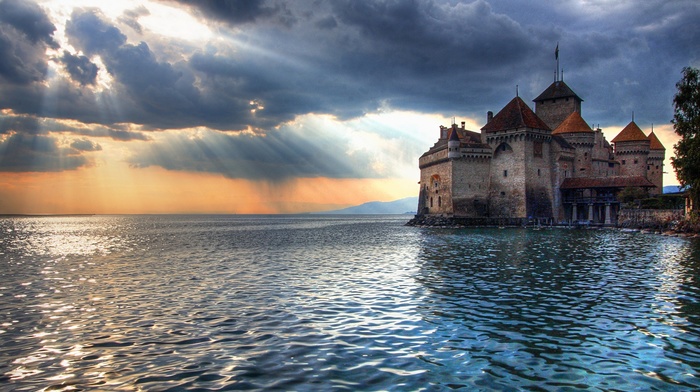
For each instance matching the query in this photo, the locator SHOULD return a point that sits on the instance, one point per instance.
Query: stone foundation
(649, 219)
(443, 221)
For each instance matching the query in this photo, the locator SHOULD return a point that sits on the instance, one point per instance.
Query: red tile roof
(557, 90)
(516, 114)
(655, 142)
(606, 182)
(630, 133)
(572, 124)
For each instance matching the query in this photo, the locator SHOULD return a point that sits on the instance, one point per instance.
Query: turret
(580, 135)
(632, 150)
(655, 163)
(556, 103)
(453, 143)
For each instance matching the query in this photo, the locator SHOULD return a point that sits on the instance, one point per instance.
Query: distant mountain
(672, 189)
(401, 206)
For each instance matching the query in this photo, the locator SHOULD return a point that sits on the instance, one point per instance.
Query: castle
(542, 166)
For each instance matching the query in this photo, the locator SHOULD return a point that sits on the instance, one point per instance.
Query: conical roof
(630, 133)
(516, 114)
(655, 143)
(454, 136)
(572, 124)
(557, 90)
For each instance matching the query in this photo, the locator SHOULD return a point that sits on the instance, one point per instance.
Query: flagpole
(556, 55)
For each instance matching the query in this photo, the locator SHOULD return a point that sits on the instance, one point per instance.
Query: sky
(183, 106)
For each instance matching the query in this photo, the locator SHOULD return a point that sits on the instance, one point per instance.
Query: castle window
(538, 172)
(623, 161)
(635, 161)
(648, 167)
(431, 202)
(537, 149)
(585, 155)
(439, 201)
(505, 173)
(503, 193)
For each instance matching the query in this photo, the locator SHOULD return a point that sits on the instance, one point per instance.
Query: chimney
(489, 116)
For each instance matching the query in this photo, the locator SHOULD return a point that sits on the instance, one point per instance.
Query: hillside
(401, 206)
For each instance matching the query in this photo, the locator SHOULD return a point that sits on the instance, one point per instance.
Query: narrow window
(623, 161)
(505, 173)
(431, 202)
(537, 149)
(538, 172)
(439, 201)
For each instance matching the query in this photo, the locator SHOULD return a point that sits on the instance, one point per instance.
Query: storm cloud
(38, 153)
(275, 61)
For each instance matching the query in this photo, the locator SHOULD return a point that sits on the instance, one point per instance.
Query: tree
(686, 123)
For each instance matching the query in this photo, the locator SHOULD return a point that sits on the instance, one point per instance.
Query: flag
(556, 52)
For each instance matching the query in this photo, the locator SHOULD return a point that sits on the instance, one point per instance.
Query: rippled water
(357, 303)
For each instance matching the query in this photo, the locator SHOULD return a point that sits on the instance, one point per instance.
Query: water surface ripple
(341, 303)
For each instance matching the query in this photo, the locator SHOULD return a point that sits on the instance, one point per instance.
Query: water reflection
(563, 308)
(320, 303)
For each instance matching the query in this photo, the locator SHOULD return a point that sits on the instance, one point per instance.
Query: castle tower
(556, 103)
(632, 150)
(520, 170)
(655, 163)
(453, 144)
(579, 135)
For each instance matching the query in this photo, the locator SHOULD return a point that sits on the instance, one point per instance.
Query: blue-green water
(331, 303)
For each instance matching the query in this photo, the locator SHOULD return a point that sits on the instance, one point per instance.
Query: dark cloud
(32, 125)
(343, 58)
(88, 31)
(29, 19)
(25, 33)
(85, 145)
(22, 124)
(80, 68)
(37, 153)
(232, 11)
(278, 156)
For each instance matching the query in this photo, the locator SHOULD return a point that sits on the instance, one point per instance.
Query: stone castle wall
(538, 180)
(436, 186)
(655, 170)
(471, 186)
(554, 112)
(507, 173)
(659, 219)
(632, 157)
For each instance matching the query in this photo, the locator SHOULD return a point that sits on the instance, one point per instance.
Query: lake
(309, 302)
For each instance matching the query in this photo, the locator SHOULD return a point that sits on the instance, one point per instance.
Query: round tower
(453, 144)
(578, 134)
(655, 163)
(632, 151)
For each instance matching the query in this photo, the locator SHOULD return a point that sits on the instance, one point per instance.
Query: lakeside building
(545, 166)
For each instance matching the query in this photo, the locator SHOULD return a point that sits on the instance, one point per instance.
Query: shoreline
(669, 229)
